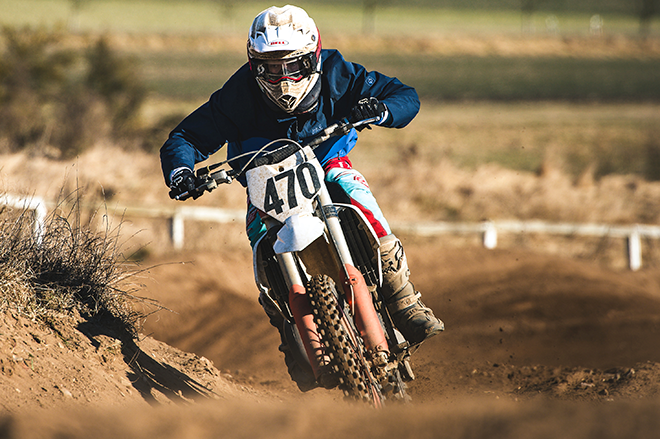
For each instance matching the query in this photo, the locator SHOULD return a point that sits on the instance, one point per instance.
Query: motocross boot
(291, 346)
(415, 321)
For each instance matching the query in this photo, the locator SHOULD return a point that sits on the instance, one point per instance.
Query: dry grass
(69, 269)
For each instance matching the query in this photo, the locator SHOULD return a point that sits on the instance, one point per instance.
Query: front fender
(298, 232)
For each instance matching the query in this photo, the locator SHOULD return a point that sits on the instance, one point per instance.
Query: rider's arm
(191, 142)
(352, 82)
(401, 100)
(212, 125)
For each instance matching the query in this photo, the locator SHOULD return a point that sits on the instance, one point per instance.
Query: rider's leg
(415, 321)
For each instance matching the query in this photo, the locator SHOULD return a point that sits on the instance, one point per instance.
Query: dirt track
(505, 310)
(535, 346)
(520, 327)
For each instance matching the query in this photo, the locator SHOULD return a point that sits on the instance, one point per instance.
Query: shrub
(51, 96)
(115, 80)
(32, 75)
(69, 269)
(158, 132)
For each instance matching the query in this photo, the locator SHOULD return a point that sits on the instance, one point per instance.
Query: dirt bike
(319, 264)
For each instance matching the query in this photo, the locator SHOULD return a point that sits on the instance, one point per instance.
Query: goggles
(278, 70)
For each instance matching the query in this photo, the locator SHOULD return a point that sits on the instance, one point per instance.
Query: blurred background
(531, 109)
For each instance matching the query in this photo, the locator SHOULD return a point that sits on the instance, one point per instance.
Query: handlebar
(207, 180)
(336, 129)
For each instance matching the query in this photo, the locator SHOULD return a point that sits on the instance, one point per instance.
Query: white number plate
(286, 188)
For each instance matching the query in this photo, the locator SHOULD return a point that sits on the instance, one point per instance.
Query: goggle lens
(275, 71)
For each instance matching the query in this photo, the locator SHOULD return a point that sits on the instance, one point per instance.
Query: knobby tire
(343, 345)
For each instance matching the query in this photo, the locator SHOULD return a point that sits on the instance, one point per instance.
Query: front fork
(354, 286)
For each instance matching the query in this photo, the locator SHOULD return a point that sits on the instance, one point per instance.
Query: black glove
(366, 109)
(183, 181)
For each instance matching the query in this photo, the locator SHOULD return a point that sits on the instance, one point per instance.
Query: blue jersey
(238, 115)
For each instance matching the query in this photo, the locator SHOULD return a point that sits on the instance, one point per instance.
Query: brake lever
(366, 123)
(221, 177)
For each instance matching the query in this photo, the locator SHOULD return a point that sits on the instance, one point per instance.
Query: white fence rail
(488, 229)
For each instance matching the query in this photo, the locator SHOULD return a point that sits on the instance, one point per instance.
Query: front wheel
(343, 344)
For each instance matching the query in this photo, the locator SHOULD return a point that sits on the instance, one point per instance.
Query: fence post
(635, 250)
(489, 229)
(490, 235)
(40, 213)
(35, 204)
(177, 230)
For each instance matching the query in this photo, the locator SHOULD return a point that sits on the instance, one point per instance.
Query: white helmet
(284, 51)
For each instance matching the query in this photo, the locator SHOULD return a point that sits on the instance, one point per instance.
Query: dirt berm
(535, 347)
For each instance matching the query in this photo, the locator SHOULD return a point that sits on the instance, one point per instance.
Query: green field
(194, 74)
(525, 78)
(395, 18)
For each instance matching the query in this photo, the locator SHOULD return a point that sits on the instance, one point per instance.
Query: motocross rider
(292, 88)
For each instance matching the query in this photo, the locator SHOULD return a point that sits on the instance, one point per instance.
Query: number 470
(304, 175)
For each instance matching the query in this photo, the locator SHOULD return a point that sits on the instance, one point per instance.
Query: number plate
(286, 188)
